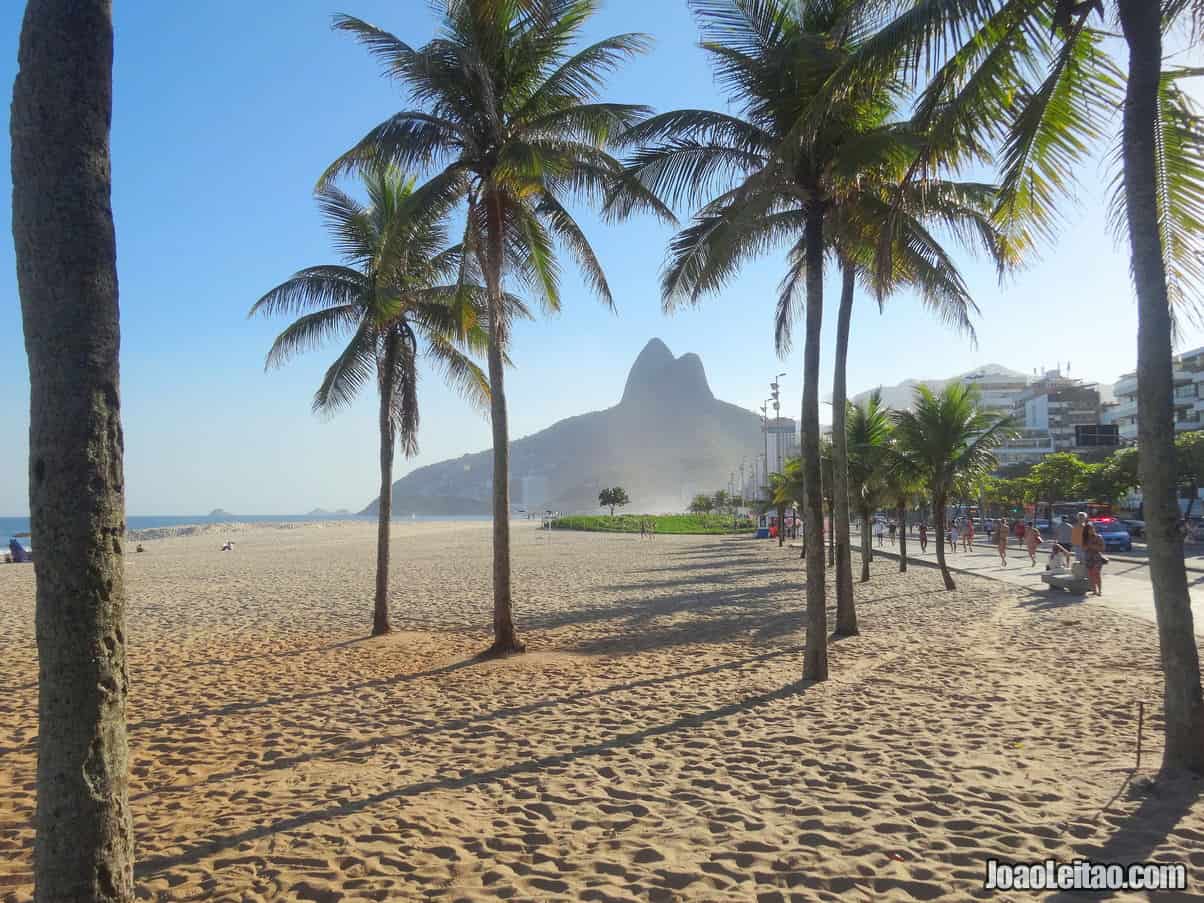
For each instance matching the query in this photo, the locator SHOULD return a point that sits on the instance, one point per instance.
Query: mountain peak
(657, 376)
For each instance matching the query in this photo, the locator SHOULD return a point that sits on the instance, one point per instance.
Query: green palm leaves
(396, 296)
(506, 113)
(507, 117)
(948, 435)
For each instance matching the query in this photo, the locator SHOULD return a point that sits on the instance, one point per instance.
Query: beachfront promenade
(1126, 579)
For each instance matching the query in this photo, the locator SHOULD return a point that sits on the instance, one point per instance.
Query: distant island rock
(220, 512)
(667, 439)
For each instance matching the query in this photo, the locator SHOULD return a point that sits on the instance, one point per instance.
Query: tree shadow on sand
(475, 721)
(152, 866)
(1138, 835)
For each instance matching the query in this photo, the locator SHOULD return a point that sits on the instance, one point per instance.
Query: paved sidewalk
(1126, 583)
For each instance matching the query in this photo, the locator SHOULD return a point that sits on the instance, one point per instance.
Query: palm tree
(67, 277)
(400, 286)
(904, 484)
(884, 236)
(1036, 77)
(774, 186)
(945, 437)
(868, 435)
(507, 115)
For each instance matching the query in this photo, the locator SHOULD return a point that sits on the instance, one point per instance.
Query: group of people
(647, 528)
(961, 532)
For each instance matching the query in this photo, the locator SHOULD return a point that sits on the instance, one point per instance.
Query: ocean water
(12, 525)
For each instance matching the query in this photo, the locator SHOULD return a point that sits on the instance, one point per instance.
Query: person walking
(1093, 553)
(968, 536)
(1032, 539)
(949, 533)
(643, 528)
(891, 530)
(923, 538)
(1001, 539)
(878, 531)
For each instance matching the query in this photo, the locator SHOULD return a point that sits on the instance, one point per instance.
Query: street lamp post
(777, 417)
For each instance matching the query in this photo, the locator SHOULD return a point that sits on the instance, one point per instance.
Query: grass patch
(665, 523)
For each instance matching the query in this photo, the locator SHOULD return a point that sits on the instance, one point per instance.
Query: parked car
(1136, 528)
(1115, 535)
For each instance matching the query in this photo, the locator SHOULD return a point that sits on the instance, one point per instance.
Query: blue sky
(225, 114)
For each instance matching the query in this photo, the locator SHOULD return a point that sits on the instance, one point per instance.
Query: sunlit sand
(654, 745)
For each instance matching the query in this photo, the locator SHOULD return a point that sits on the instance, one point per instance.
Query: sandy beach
(654, 745)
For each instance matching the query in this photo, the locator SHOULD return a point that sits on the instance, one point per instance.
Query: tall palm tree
(830, 190)
(904, 484)
(505, 111)
(67, 277)
(761, 184)
(400, 286)
(868, 436)
(884, 232)
(1035, 77)
(945, 437)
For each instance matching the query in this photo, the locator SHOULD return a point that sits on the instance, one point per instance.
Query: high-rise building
(1188, 397)
(1060, 405)
(998, 388)
(781, 442)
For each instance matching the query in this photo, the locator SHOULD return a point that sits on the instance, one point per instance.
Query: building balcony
(1126, 385)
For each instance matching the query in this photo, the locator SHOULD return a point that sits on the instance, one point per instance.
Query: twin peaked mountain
(667, 439)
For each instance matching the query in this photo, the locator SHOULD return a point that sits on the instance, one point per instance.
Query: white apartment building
(1189, 397)
(998, 389)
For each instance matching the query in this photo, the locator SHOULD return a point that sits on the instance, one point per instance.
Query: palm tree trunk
(1183, 701)
(384, 514)
(67, 276)
(901, 520)
(831, 532)
(815, 658)
(846, 613)
(938, 514)
(781, 525)
(867, 547)
(505, 639)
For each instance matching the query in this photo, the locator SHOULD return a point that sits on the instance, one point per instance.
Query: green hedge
(665, 523)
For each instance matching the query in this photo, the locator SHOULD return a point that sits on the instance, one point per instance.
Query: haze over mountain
(667, 439)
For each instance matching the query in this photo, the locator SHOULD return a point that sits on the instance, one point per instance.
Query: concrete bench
(1072, 581)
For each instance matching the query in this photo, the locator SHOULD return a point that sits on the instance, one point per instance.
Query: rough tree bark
(815, 657)
(380, 614)
(846, 612)
(867, 544)
(505, 639)
(938, 514)
(1183, 702)
(67, 277)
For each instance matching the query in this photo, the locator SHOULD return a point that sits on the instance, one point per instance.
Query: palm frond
(313, 288)
(1179, 174)
(1054, 130)
(351, 370)
(565, 228)
(311, 331)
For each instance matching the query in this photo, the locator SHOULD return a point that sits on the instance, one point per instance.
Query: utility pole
(777, 425)
(765, 435)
